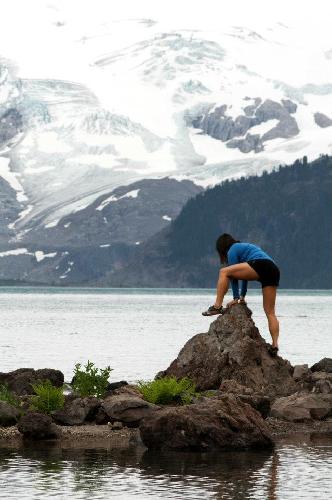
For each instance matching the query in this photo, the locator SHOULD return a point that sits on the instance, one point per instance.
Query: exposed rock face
(77, 411)
(322, 120)
(301, 407)
(233, 349)
(218, 124)
(19, 381)
(222, 423)
(37, 426)
(324, 365)
(127, 409)
(9, 415)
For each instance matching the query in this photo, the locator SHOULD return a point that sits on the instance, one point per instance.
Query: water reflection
(52, 472)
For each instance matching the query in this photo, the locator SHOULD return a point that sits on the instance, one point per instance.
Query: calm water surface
(289, 473)
(138, 333)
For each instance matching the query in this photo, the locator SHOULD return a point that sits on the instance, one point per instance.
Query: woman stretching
(247, 262)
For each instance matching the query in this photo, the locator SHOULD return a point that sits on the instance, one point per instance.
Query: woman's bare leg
(269, 300)
(239, 272)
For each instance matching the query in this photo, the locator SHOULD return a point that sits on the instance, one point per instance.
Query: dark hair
(223, 244)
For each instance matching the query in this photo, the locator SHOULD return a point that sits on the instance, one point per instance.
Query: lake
(138, 333)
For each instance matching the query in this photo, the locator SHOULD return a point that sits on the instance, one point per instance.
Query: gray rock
(235, 351)
(301, 372)
(249, 143)
(324, 365)
(37, 426)
(322, 120)
(289, 105)
(76, 411)
(20, 381)
(301, 407)
(224, 423)
(9, 415)
(127, 409)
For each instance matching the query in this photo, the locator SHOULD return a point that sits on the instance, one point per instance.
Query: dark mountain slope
(288, 212)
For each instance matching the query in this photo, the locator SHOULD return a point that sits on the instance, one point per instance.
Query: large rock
(302, 407)
(9, 415)
(20, 381)
(233, 349)
(128, 409)
(76, 411)
(324, 365)
(37, 426)
(226, 422)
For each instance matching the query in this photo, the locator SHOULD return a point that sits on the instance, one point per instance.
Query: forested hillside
(288, 212)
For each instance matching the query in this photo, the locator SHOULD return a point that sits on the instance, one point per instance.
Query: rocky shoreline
(247, 398)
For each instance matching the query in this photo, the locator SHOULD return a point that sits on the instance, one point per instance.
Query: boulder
(226, 422)
(116, 385)
(236, 351)
(127, 409)
(20, 381)
(9, 415)
(301, 372)
(76, 411)
(324, 365)
(37, 426)
(302, 407)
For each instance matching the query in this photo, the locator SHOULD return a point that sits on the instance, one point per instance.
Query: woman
(247, 262)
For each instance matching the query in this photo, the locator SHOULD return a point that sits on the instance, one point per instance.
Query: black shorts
(268, 272)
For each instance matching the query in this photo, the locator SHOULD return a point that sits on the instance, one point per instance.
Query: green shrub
(167, 390)
(47, 398)
(8, 396)
(91, 381)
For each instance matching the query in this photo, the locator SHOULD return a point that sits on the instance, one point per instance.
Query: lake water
(139, 332)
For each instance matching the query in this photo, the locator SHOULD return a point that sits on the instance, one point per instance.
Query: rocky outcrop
(127, 409)
(322, 120)
(37, 426)
(9, 415)
(217, 123)
(235, 350)
(324, 365)
(302, 407)
(213, 423)
(20, 381)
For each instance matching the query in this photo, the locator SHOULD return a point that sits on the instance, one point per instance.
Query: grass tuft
(168, 390)
(47, 398)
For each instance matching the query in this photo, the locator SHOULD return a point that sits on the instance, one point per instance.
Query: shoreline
(102, 436)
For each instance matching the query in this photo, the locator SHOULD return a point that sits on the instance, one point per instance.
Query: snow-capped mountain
(110, 102)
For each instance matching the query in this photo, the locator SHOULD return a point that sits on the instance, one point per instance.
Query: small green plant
(47, 398)
(90, 381)
(8, 396)
(167, 390)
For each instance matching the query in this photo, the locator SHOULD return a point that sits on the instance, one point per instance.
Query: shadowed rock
(233, 349)
(9, 415)
(226, 422)
(37, 426)
(20, 381)
(324, 365)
